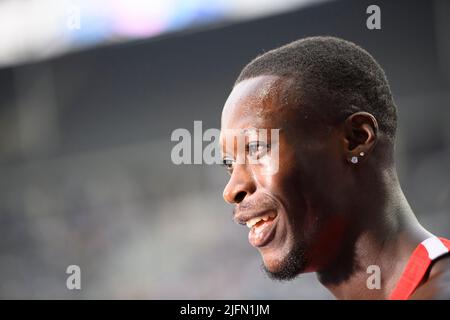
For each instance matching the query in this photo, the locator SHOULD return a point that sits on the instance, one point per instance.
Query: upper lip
(242, 218)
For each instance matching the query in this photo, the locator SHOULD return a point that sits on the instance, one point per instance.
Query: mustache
(254, 205)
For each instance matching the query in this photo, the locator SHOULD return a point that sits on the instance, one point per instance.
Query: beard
(291, 266)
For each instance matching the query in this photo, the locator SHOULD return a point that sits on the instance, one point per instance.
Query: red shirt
(419, 263)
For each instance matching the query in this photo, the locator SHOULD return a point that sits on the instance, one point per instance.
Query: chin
(272, 265)
(285, 267)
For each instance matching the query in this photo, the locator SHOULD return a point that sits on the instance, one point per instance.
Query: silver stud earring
(361, 154)
(354, 159)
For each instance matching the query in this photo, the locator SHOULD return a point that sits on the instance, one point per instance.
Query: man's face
(297, 207)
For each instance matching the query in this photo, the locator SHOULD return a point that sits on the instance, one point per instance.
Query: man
(334, 205)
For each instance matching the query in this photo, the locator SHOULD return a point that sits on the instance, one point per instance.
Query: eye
(228, 163)
(257, 149)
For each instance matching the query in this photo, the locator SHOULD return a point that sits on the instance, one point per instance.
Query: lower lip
(262, 235)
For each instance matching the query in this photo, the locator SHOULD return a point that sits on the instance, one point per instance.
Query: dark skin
(341, 216)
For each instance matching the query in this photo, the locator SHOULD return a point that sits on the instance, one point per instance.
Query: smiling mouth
(262, 229)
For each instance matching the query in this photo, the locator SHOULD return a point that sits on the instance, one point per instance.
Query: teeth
(251, 222)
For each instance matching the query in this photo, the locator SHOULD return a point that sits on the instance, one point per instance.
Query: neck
(384, 242)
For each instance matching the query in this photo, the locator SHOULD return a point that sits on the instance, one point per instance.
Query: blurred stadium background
(86, 116)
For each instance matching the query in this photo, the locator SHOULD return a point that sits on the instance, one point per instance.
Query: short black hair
(334, 71)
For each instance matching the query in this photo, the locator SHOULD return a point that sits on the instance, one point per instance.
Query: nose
(240, 185)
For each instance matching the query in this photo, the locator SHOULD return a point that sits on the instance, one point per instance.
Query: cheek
(322, 177)
(287, 186)
(304, 185)
(280, 177)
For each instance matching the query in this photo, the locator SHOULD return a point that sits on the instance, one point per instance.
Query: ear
(361, 135)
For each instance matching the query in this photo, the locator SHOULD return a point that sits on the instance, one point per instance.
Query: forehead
(258, 102)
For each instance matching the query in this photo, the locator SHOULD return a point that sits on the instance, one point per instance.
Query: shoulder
(437, 283)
